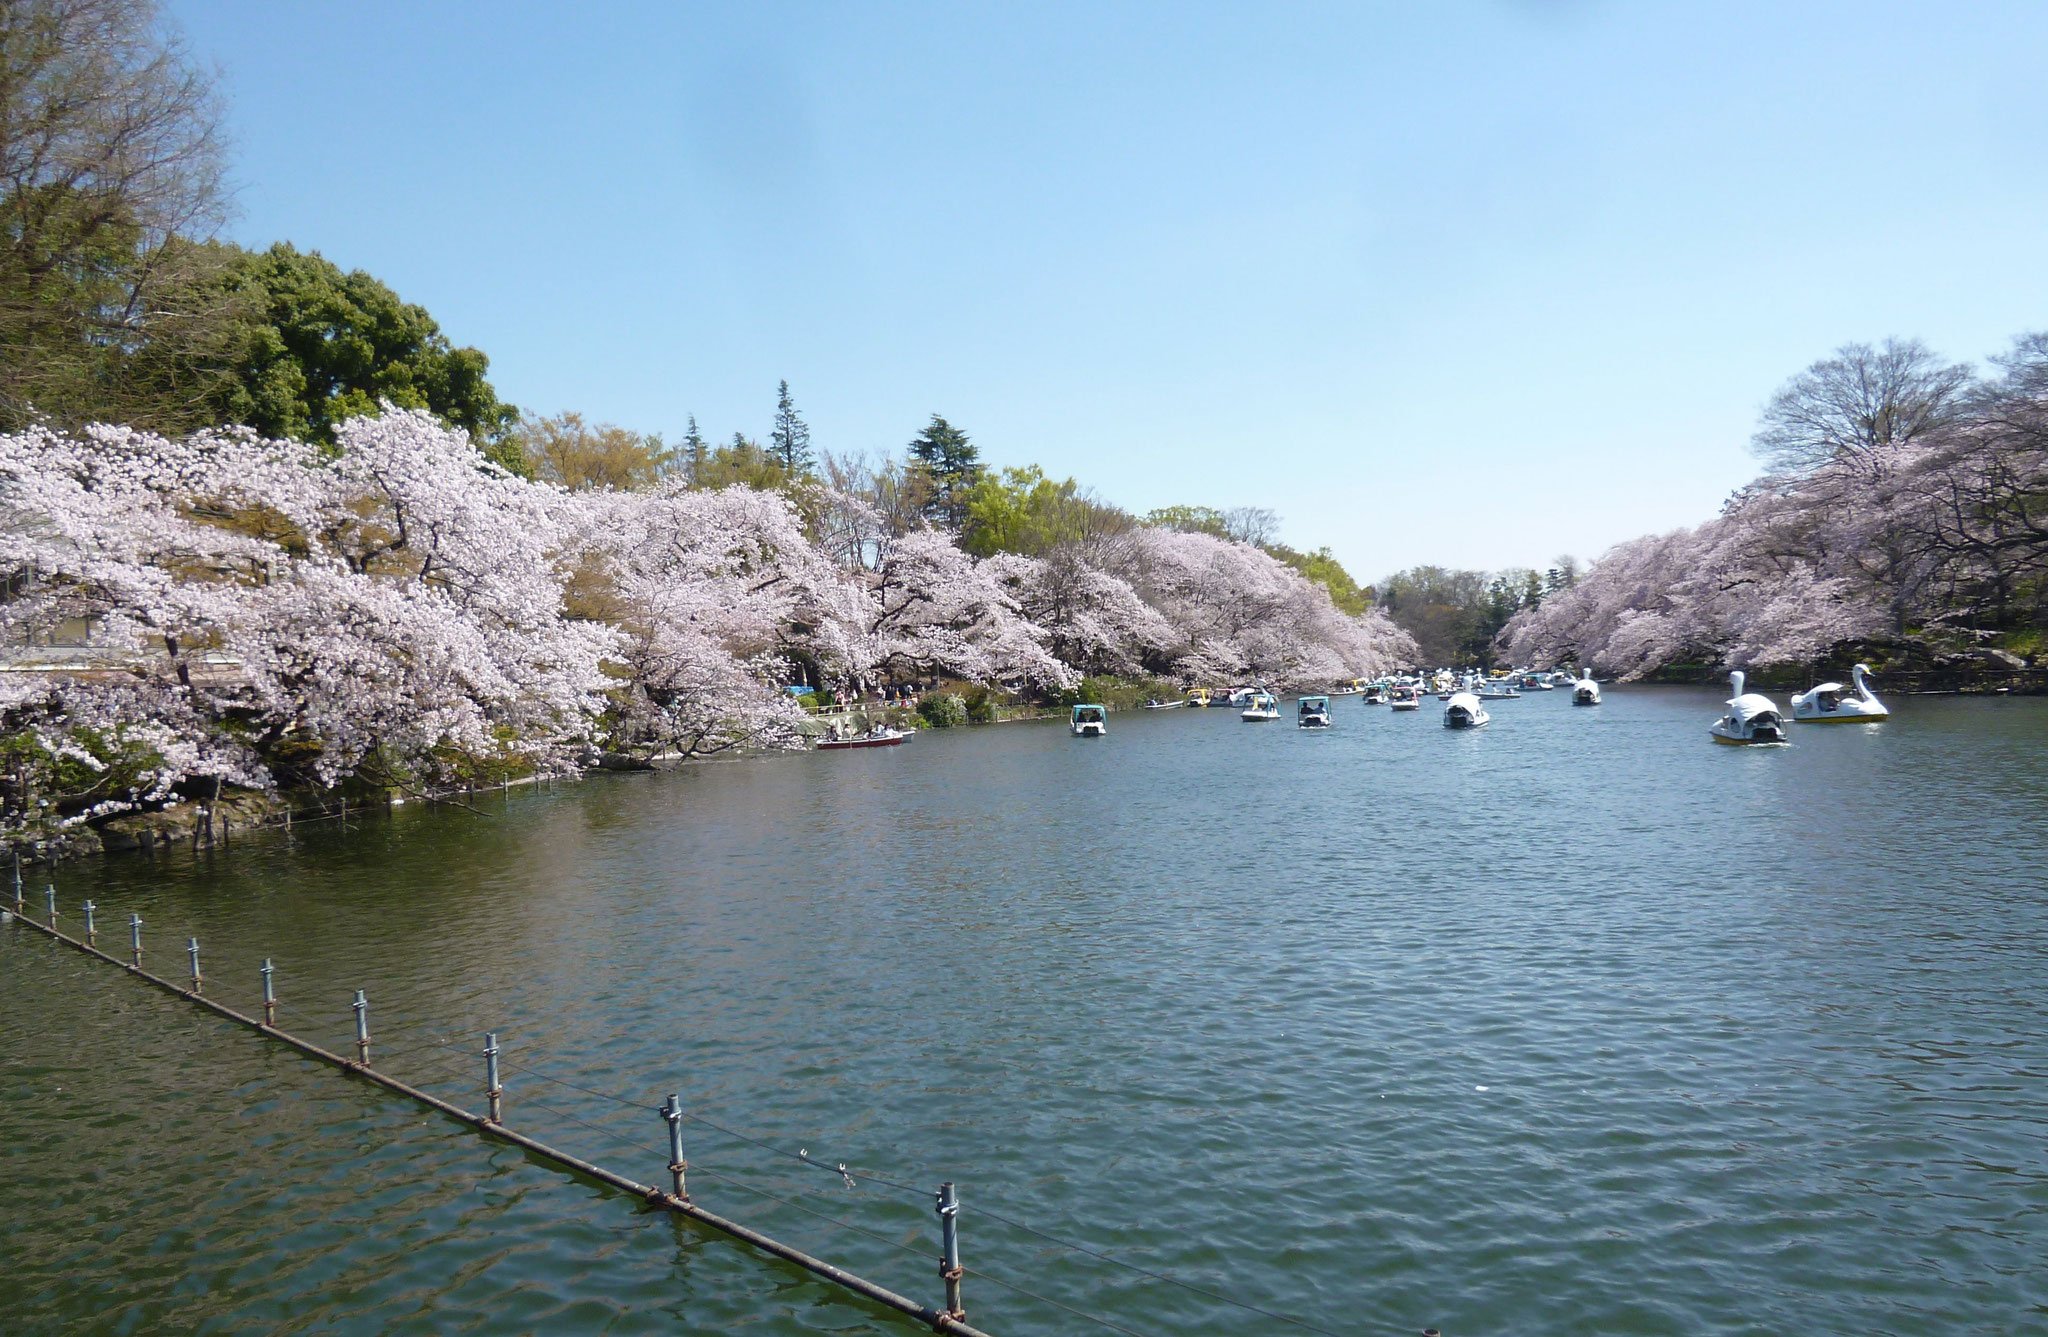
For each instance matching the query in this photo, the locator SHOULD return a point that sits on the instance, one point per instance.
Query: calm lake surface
(1576, 1024)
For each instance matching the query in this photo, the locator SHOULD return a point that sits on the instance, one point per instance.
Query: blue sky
(1473, 284)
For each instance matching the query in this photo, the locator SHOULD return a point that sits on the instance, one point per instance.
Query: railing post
(91, 938)
(673, 1112)
(949, 1241)
(135, 940)
(492, 1088)
(269, 993)
(197, 979)
(362, 1008)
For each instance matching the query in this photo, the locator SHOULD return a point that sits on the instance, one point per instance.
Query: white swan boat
(1750, 719)
(1585, 692)
(1830, 702)
(1464, 712)
(1405, 697)
(1262, 706)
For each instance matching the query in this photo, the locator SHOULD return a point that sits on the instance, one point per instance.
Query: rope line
(616, 1137)
(1046, 1299)
(841, 1168)
(622, 1140)
(1156, 1276)
(844, 1171)
(808, 1211)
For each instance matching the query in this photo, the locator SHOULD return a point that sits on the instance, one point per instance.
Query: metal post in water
(197, 979)
(949, 1243)
(673, 1112)
(269, 993)
(17, 882)
(135, 940)
(362, 1007)
(50, 898)
(91, 938)
(491, 1086)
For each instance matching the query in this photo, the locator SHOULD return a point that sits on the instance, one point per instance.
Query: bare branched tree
(111, 184)
(1859, 407)
(1256, 525)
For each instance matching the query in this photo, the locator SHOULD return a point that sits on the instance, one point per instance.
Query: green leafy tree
(1023, 511)
(742, 463)
(950, 465)
(1190, 520)
(1324, 569)
(565, 450)
(325, 345)
(790, 441)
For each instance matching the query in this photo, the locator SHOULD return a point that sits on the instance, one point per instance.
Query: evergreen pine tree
(951, 464)
(694, 450)
(790, 442)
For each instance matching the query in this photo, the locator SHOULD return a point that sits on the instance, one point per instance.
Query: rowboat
(872, 738)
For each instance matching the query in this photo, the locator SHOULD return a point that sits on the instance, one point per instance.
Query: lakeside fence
(950, 1316)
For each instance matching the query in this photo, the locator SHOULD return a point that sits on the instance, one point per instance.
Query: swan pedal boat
(1831, 703)
(1585, 692)
(1314, 713)
(1464, 712)
(1751, 718)
(1090, 721)
(1405, 698)
(1262, 706)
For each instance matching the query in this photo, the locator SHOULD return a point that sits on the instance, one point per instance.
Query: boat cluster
(1755, 718)
(1463, 696)
(1751, 718)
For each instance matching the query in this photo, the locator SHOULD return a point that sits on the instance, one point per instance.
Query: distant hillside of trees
(1903, 519)
(1455, 615)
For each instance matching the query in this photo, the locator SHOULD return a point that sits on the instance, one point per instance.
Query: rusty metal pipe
(937, 1320)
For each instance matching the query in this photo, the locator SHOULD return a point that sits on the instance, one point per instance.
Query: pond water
(1577, 1023)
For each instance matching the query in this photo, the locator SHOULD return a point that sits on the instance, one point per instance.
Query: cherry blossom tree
(259, 612)
(932, 609)
(1094, 622)
(1237, 612)
(714, 593)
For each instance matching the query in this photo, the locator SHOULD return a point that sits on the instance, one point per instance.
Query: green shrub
(980, 703)
(1117, 693)
(942, 710)
(810, 700)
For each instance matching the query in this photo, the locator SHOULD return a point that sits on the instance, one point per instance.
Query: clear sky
(1473, 284)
